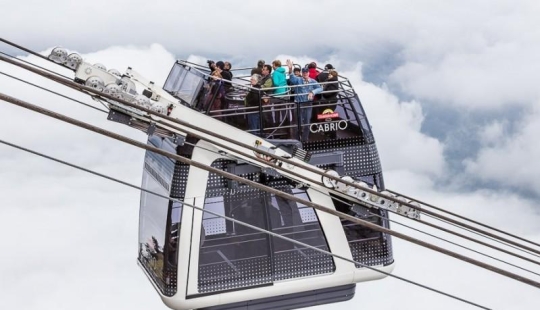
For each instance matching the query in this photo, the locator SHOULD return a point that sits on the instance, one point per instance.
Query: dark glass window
(233, 256)
(158, 219)
(367, 246)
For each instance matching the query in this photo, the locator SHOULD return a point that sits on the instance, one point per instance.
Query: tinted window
(155, 212)
(233, 256)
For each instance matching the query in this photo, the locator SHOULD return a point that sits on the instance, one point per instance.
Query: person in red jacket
(313, 72)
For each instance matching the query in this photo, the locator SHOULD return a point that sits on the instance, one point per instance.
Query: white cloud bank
(71, 238)
(509, 159)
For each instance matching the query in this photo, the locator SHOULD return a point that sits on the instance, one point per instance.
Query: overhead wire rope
(510, 253)
(265, 231)
(22, 48)
(80, 87)
(34, 65)
(465, 218)
(421, 231)
(265, 188)
(53, 92)
(487, 237)
(74, 85)
(337, 198)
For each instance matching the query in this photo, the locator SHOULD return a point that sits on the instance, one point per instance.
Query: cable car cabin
(198, 260)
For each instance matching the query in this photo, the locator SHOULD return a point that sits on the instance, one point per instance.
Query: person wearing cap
(323, 76)
(258, 69)
(306, 90)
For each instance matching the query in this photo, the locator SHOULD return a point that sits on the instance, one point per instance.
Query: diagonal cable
(245, 224)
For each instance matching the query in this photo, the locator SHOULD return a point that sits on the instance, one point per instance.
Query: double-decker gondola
(199, 260)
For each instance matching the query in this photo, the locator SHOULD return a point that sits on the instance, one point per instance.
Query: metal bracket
(151, 129)
(179, 139)
(119, 117)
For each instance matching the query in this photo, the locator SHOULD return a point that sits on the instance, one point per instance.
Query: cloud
(74, 234)
(87, 226)
(482, 61)
(397, 128)
(509, 160)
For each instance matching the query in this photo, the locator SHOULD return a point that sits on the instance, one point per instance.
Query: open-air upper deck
(342, 116)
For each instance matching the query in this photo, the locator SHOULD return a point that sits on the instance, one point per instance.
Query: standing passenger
(253, 99)
(323, 76)
(279, 78)
(227, 75)
(266, 80)
(312, 67)
(331, 88)
(305, 92)
(258, 69)
(266, 85)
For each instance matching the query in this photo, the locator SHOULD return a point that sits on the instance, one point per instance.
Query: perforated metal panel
(374, 252)
(226, 276)
(179, 181)
(233, 256)
(308, 215)
(218, 185)
(360, 158)
(214, 226)
(293, 264)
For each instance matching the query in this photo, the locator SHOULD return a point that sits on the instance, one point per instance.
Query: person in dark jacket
(323, 76)
(253, 99)
(226, 74)
(211, 66)
(258, 69)
(332, 86)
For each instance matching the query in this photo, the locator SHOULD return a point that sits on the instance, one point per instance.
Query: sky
(450, 89)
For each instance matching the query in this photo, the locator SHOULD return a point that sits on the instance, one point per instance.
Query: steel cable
(270, 190)
(242, 223)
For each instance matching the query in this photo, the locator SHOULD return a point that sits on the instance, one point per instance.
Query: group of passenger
(274, 80)
(221, 72)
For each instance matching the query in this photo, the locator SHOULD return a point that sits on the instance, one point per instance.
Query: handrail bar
(269, 88)
(270, 108)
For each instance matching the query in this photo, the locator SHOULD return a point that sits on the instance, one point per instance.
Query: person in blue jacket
(306, 89)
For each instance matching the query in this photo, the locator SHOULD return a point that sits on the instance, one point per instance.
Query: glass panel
(155, 212)
(300, 223)
(361, 114)
(184, 84)
(175, 78)
(233, 256)
(190, 87)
